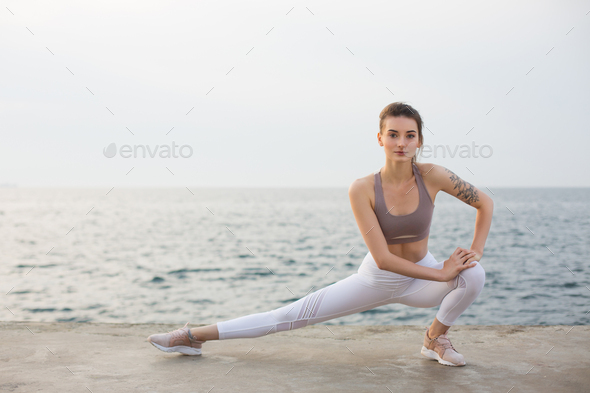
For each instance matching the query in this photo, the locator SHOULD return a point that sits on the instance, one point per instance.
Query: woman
(393, 209)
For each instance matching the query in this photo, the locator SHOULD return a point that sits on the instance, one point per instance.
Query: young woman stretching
(393, 209)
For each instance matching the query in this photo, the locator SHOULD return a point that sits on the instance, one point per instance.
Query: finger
(468, 261)
(470, 265)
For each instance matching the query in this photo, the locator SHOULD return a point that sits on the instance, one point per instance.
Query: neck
(397, 173)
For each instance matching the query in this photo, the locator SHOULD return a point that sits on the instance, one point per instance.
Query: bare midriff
(414, 252)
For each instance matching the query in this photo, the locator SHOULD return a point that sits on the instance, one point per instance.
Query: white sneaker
(180, 340)
(441, 349)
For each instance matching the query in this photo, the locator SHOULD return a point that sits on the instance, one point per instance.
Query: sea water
(174, 255)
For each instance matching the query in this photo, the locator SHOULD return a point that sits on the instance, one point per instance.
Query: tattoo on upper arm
(467, 192)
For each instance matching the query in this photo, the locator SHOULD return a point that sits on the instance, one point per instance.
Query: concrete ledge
(106, 357)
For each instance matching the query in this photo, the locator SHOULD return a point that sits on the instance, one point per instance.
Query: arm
(483, 222)
(453, 185)
(402, 266)
(375, 240)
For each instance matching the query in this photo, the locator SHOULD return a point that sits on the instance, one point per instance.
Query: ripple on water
(51, 309)
(298, 235)
(195, 270)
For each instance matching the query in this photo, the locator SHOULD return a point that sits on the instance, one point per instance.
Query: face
(400, 138)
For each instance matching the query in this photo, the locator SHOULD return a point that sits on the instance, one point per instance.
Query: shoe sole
(181, 348)
(433, 355)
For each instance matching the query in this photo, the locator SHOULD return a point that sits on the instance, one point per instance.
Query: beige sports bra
(406, 228)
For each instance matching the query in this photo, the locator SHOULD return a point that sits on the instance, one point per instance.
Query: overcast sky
(288, 94)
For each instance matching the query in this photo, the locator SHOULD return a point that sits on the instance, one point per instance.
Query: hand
(475, 258)
(460, 260)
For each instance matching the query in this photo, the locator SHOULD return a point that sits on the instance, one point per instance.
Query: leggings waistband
(385, 279)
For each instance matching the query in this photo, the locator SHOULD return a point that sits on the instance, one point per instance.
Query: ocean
(170, 255)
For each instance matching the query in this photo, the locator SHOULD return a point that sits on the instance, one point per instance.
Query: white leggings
(370, 287)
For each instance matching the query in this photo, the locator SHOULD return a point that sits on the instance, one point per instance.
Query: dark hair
(399, 109)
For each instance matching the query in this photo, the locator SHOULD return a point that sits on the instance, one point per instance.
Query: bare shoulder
(426, 168)
(435, 174)
(431, 174)
(361, 201)
(364, 182)
(363, 187)
(434, 171)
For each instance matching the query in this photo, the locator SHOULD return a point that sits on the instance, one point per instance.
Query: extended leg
(348, 296)
(206, 333)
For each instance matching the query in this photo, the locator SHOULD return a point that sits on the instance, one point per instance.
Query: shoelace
(446, 343)
(180, 333)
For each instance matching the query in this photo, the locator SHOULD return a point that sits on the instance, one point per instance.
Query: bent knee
(474, 278)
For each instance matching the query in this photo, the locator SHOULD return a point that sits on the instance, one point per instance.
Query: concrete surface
(105, 357)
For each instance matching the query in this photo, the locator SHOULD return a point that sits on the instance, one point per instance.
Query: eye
(392, 135)
(412, 135)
